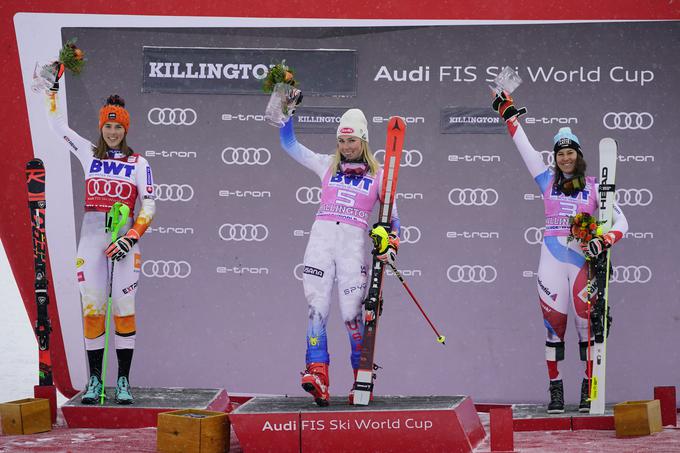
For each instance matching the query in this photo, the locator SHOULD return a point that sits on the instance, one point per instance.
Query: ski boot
(123, 394)
(584, 404)
(93, 391)
(315, 381)
(556, 405)
(351, 392)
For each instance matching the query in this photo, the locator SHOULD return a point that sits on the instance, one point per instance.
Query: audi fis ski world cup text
(473, 73)
(357, 424)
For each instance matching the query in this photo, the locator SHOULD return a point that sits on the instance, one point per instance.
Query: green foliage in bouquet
(72, 57)
(279, 73)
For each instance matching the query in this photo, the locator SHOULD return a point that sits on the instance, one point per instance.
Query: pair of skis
(363, 386)
(600, 312)
(35, 183)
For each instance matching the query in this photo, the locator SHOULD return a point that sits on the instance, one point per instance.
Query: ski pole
(440, 338)
(115, 218)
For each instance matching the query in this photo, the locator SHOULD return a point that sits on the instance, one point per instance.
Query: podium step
(149, 402)
(389, 423)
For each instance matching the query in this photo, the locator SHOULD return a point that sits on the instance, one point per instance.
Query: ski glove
(504, 105)
(597, 245)
(293, 99)
(119, 248)
(386, 244)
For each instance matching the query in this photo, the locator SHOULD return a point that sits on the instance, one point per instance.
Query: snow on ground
(18, 346)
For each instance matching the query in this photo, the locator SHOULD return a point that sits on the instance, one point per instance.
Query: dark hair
(579, 172)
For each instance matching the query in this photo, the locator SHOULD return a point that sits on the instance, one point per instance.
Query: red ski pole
(440, 338)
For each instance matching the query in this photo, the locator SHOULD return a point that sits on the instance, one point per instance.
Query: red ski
(35, 182)
(363, 386)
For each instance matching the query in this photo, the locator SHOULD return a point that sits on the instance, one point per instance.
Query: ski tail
(363, 385)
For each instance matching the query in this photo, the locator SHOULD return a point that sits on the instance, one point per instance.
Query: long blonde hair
(366, 155)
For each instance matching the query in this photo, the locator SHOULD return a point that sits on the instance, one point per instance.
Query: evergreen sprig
(72, 57)
(279, 73)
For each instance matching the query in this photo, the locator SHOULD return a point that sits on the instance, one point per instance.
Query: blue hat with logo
(565, 138)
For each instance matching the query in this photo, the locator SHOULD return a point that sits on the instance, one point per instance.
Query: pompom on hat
(353, 123)
(566, 139)
(114, 111)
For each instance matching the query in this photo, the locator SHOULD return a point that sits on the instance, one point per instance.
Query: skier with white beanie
(338, 247)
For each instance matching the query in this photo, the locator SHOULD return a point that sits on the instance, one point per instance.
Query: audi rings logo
(247, 232)
(308, 195)
(108, 188)
(245, 156)
(631, 274)
(471, 274)
(634, 197)
(409, 235)
(473, 197)
(625, 120)
(534, 235)
(548, 158)
(409, 158)
(298, 271)
(166, 269)
(173, 192)
(171, 116)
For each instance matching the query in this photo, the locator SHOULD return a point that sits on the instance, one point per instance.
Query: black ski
(35, 180)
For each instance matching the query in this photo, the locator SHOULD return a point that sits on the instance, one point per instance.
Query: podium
(149, 402)
(390, 423)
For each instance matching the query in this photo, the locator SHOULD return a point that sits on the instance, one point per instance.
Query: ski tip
(34, 163)
(396, 123)
(608, 142)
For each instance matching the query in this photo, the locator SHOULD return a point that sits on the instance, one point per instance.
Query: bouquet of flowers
(46, 75)
(584, 227)
(280, 82)
(279, 73)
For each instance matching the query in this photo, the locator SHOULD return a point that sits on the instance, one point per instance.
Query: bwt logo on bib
(362, 184)
(109, 167)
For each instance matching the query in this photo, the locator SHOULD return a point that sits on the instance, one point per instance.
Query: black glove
(504, 105)
(118, 249)
(293, 99)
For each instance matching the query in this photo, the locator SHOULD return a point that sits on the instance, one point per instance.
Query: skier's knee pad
(583, 349)
(125, 325)
(554, 352)
(93, 326)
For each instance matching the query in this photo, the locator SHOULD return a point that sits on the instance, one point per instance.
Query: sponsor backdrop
(221, 302)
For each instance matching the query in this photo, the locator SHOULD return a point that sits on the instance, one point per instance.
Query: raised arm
(318, 163)
(532, 158)
(70, 140)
